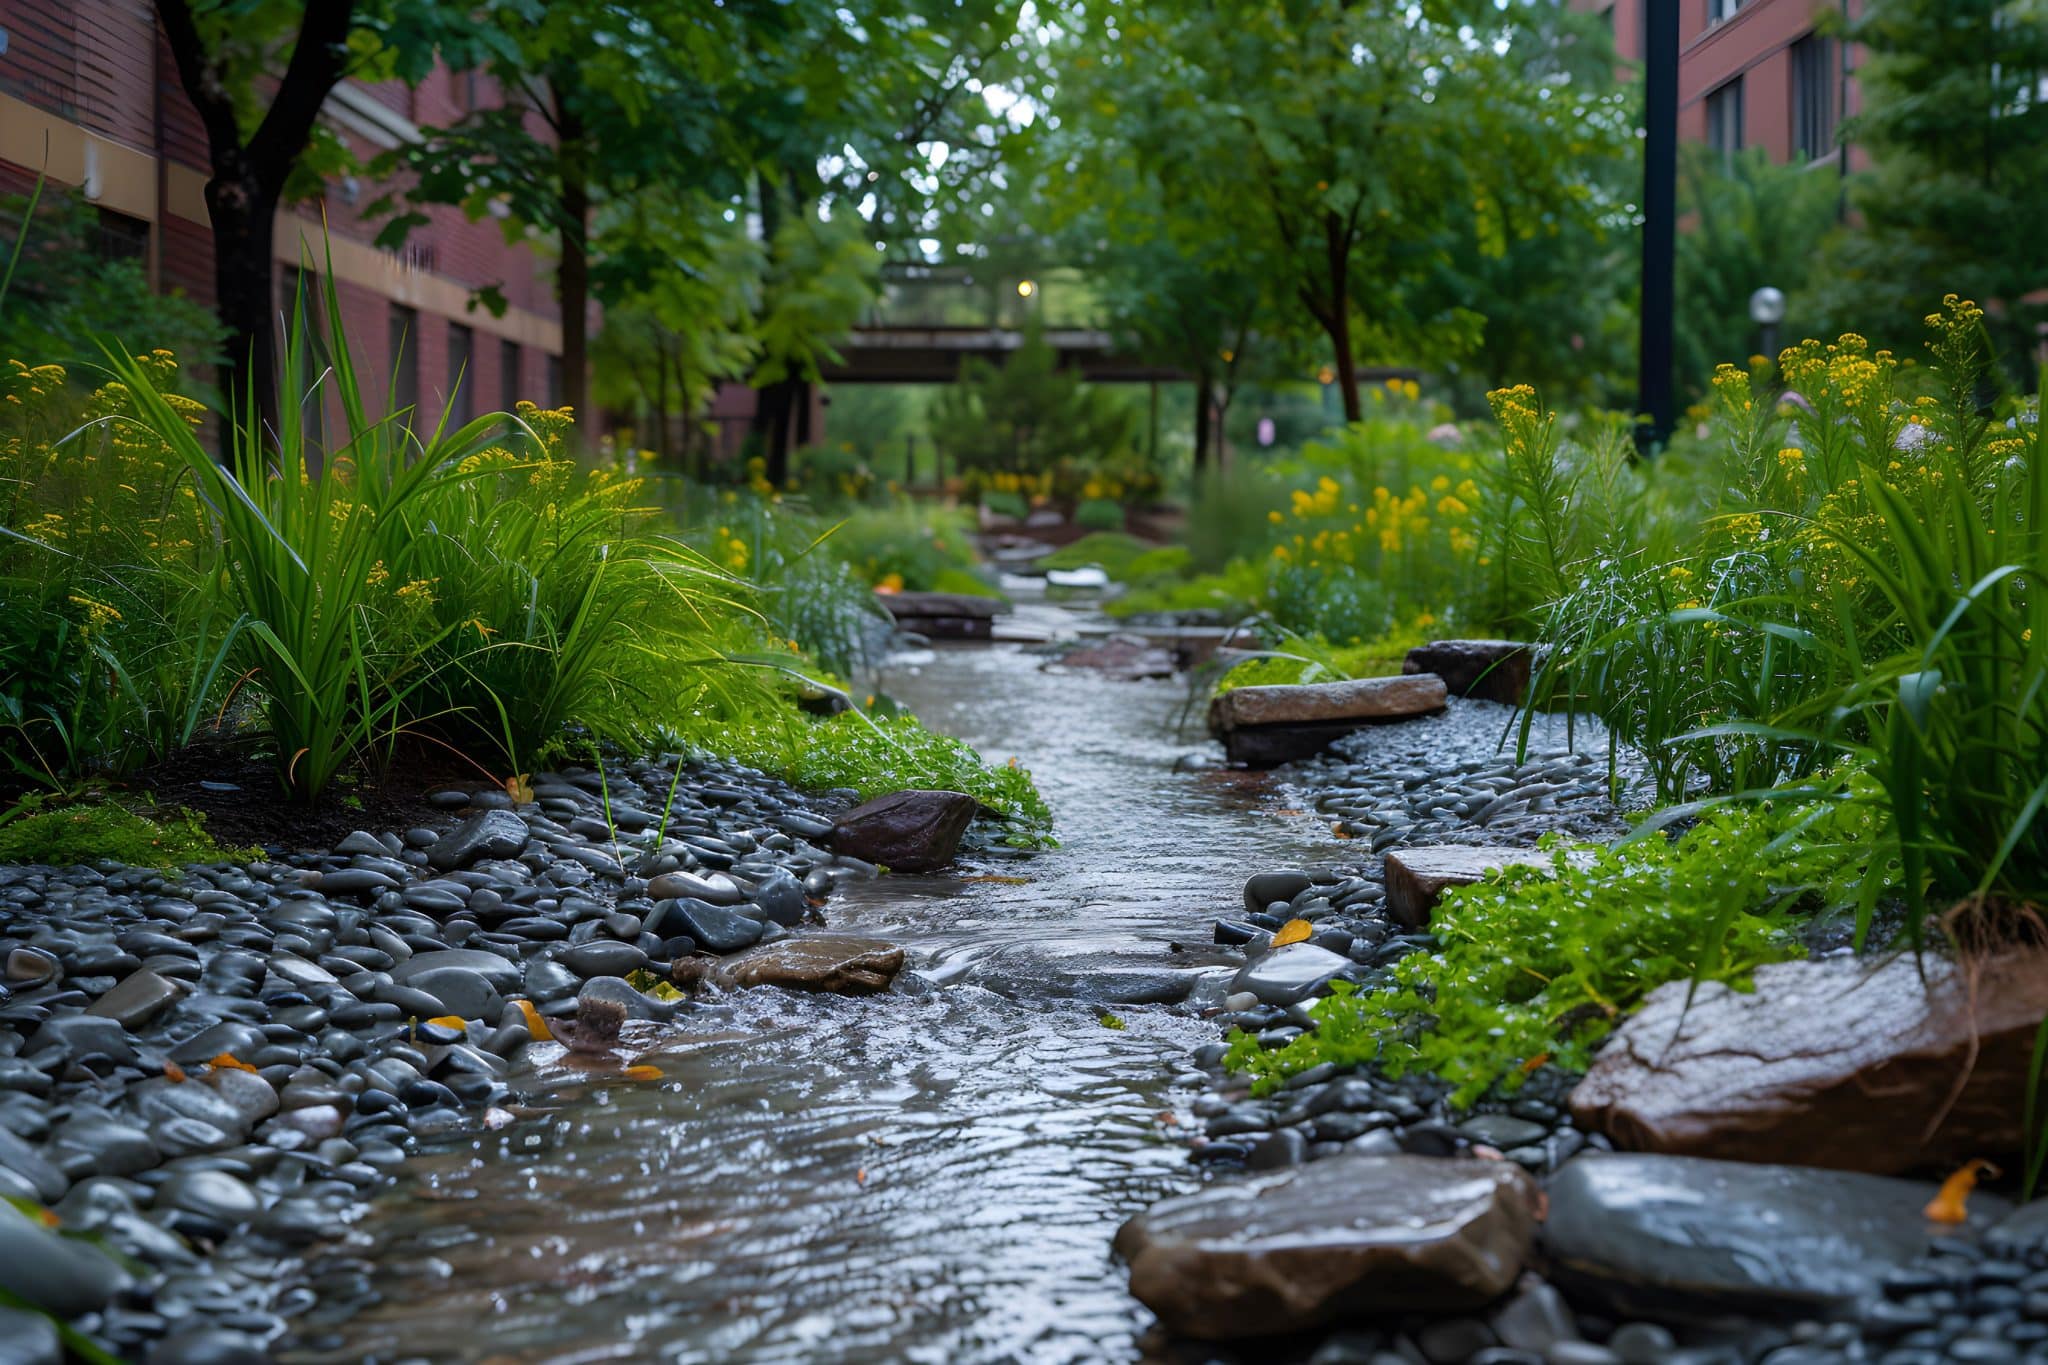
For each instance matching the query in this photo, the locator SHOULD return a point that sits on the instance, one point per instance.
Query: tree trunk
(662, 451)
(572, 276)
(1202, 414)
(244, 222)
(1339, 328)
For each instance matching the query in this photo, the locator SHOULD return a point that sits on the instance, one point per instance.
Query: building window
(122, 238)
(1719, 11)
(1813, 96)
(461, 359)
(508, 375)
(405, 361)
(1724, 119)
(303, 298)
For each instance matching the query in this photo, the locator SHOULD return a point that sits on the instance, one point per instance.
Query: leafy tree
(257, 72)
(1957, 131)
(1353, 143)
(1027, 414)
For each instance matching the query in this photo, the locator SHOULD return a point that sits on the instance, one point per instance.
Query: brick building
(1754, 73)
(90, 93)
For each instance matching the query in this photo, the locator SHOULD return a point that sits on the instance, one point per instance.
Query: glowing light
(1025, 289)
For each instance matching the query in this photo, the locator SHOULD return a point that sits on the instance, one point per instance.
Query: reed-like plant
(309, 536)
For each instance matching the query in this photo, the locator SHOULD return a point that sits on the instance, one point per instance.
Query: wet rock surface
(1774, 1074)
(207, 1072)
(1487, 670)
(908, 831)
(1353, 1237)
(1264, 726)
(1641, 1233)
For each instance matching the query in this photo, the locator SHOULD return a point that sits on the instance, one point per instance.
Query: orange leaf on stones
(519, 789)
(231, 1062)
(1951, 1205)
(536, 1026)
(1294, 931)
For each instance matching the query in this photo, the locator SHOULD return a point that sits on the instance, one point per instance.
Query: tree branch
(319, 58)
(201, 79)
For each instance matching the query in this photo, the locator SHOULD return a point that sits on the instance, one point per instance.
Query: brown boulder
(1491, 670)
(824, 963)
(943, 615)
(1349, 1236)
(908, 831)
(1835, 1063)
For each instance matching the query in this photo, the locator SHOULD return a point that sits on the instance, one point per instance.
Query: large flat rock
(1834, 1063)
(826, 963)
(1357, 700)
(1348, 1236)
(1490, 670)
(1661, 1234)
(1418, 877)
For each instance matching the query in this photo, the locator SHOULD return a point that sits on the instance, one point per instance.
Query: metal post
(1654, 401)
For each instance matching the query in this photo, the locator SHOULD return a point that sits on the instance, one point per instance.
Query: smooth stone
(502, 973)
(637, 1004)
(82, 1035)
(604, 957)
(100, 1144)
(29, 1339)
(210, 1194)
(460, 991)
(1289, 974)
(779, 897)
(17, 1155)
(1645, 1234)
(57, 1274)
(1350, 1236)
(714, 927)
(1536, 1319)
(1264, 888)
(1358, 699)
(1502, 1131)
(716, 889)
(487, 834)
(32, 966)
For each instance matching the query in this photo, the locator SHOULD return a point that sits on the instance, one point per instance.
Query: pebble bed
(1448, 779)
(211, 1071)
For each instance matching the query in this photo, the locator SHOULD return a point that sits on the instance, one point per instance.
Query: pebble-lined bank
(208, 1072)
(1636, 1259)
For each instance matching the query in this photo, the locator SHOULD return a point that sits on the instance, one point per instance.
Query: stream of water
(917, 1178)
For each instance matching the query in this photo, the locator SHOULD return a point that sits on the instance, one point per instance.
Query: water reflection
(921, 1178)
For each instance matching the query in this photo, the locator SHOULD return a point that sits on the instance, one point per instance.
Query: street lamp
(1767, 310)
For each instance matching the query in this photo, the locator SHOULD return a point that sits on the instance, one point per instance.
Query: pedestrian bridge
(920, 354)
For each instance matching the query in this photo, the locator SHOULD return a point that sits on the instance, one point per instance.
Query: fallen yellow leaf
(536, 1026)
(1340, 831)
(519, 789)
(1294, 931)
(1952, 1204)
(228, 1061)
(450, 1021)
(642, 1073)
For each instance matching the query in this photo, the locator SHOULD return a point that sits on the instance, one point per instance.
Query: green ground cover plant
(43, 829)
(1537, 964)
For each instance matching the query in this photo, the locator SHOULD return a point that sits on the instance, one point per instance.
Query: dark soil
(238, 789)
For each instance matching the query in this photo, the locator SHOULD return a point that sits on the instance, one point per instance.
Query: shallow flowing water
(921, 1178)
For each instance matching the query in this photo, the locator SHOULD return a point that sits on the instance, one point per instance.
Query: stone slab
(1356, 700)
(1489, 670)
(1418, 877)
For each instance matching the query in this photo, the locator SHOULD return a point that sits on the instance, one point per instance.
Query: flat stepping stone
(1418, 877)
(1489, 670)
(1264, 726)
(943, 615)
(1290, 974)
(1350, 1236)
(1644, 1234)
(825, 963)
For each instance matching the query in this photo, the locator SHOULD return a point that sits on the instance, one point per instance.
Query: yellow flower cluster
(730, 550)
(1336, 535)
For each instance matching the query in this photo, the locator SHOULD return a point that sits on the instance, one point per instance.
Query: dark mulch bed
(238, 789)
